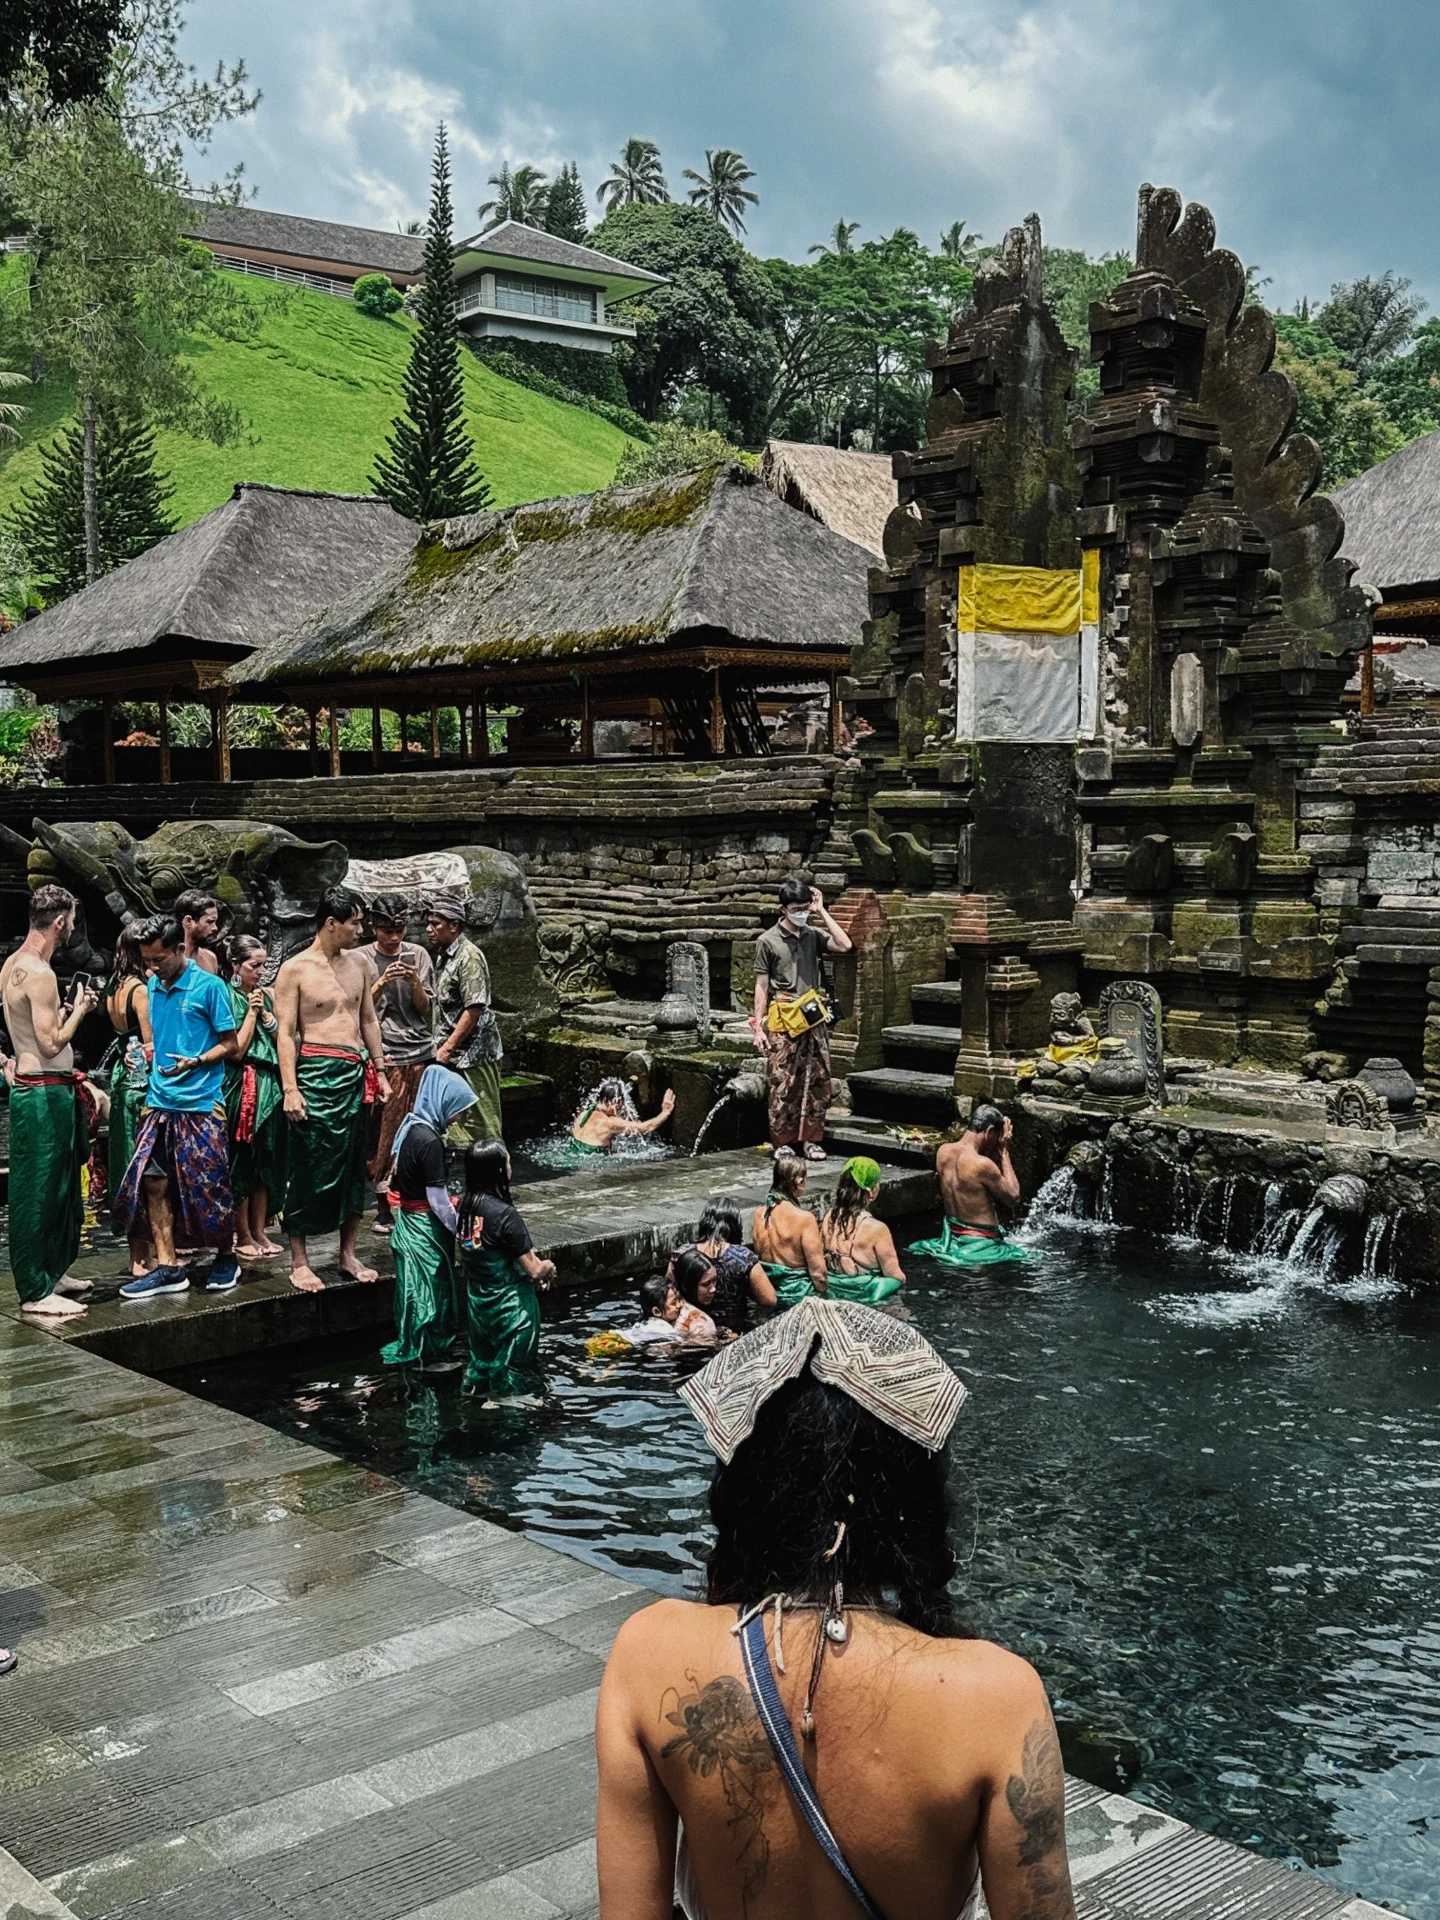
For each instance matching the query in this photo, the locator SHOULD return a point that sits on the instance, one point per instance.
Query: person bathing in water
(857, 1245)
(598, 1126)
(792, 1248)
(975, 1173)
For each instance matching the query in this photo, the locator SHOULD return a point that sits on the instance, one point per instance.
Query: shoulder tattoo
(1036, 1799)
(719, 1732)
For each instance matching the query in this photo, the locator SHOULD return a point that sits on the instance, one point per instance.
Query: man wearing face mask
(792, 1016)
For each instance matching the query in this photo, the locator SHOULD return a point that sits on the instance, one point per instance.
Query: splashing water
(558, 1149)
(705, 1124)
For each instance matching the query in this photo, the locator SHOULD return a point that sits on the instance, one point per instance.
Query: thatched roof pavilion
(852, 493)
(167, 624)
(688, 592)
(1392, 533)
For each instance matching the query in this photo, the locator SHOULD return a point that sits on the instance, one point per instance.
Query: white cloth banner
(1017, 686)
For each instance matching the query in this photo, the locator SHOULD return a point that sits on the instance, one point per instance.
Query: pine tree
(48, 522)
(427, 471)
(565, 209)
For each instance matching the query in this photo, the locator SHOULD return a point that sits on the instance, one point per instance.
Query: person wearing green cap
(858, 1247)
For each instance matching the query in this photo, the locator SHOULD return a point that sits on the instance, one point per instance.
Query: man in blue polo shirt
(178, 1182)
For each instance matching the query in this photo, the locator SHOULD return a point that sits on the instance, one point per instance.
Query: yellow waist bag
(794, 1017)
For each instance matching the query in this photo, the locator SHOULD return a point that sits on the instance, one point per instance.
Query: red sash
(407, 1206)
(317, 1050)
(249, 1099)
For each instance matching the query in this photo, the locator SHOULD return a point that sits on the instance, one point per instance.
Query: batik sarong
(193, 1151)
(425, 1319)
(255, 1114)
(482, 1121)
(793, 1284)
(129, 1079)
(325, 1152)
(961, 1245)
(49, 1146)
(799, 1086)
(404, 1083)
(502, 1315)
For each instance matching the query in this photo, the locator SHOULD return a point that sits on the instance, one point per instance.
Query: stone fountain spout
(1343, 1193)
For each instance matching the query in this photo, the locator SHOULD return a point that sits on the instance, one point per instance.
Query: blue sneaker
(224, 1275)
(145, 1286)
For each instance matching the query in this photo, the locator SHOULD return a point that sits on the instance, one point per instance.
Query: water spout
(705, 1124)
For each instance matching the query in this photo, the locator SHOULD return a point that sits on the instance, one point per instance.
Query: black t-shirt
(498, 1227)
(421, 1162)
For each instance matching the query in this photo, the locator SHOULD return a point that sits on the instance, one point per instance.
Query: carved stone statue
(1073, 1048)
(1130, 1010)
(686, 1004)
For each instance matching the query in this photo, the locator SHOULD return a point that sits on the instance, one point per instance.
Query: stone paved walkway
(259, 1683)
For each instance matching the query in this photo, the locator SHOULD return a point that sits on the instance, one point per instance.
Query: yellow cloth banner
(997, 599)
(1090, 587)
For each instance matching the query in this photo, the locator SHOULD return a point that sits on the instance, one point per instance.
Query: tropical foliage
(676, 448)
(376, 295)
(636, 179)
(1366, 372)
(48, 525)
(427, 471)
(721, 188)
(521, 194)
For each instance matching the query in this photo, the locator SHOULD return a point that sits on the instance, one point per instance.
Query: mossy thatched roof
(251, 568)
(712, 555)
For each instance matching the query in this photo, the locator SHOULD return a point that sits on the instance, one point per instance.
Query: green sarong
(793, 1284)
(325, 1152)
(129, 1080)
(503, 1322)
(49, 1145)
(255, 1108)
(424, 1289)
(958, 1249)
(482, 1121)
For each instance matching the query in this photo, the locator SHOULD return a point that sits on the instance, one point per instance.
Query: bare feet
(365, 1275)
(269, 1250)
(53, 1307)
(73, 1287)
(306, 1280)
(246, 1250)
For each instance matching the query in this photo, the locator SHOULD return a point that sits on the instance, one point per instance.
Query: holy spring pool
(1198, 1492)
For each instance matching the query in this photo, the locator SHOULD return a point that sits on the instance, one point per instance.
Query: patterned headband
(882, 1363)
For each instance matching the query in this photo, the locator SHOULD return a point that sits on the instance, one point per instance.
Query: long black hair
(128, 964)
(816, 1458)
(688, 1269)
(487, 1177)
(721, 1221)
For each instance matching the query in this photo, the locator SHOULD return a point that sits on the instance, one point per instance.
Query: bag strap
(768, 1704)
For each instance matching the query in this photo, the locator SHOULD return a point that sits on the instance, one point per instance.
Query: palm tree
(410, 226)
(959, 244)
(721, 189)
(519, 196)
(842, 235)
(11, 410)
(636, 179)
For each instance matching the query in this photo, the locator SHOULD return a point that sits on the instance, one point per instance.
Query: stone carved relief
(686, 1005)
(1130, 1010)
(572, 958)
(1350, 1103)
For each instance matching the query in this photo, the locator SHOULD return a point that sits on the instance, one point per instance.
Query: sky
(1307, 126)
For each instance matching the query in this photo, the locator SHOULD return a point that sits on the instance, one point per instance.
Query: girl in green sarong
(500, 1272)
(127, 1002)
(787, 1238)
(859, 1249)
(254, 1105)
(423, 1236)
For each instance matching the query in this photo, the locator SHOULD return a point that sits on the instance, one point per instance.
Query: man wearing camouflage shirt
(467, 1034)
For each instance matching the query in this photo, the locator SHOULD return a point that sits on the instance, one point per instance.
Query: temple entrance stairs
(898, 1111)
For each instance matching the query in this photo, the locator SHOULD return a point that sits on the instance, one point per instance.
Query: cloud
(1303, 125)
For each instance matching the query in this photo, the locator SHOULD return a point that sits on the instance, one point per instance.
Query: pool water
(1199, 1494)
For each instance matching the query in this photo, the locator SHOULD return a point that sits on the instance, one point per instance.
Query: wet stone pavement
(260, 1683)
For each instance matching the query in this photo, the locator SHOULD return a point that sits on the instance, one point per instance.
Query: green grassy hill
(319, 385)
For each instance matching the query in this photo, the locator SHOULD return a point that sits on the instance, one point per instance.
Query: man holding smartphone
(404, 980)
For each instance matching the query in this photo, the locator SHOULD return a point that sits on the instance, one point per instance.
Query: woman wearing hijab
(500, 1272)
(821, 1731)
(423, 1236)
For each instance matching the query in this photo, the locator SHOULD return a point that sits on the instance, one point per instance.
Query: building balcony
(548, 319)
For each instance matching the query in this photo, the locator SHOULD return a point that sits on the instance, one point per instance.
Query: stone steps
(933, 1039)
(936, 1003)
(904, 1094)
(851, 1133)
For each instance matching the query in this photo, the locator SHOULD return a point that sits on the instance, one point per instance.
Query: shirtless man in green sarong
(974, 1172)
(48, 1132)
(327, 1027)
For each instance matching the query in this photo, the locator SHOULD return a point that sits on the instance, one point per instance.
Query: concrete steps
(904, 1095)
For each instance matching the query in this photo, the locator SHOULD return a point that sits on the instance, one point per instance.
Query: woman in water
(499, 1271)
(824, 1734)
(127, 1001)
(857, 1245)
(788, 1240)
(695, 1279)
(254, 1106)
(422, 1233)
(740, 1280)
(598, 1126)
